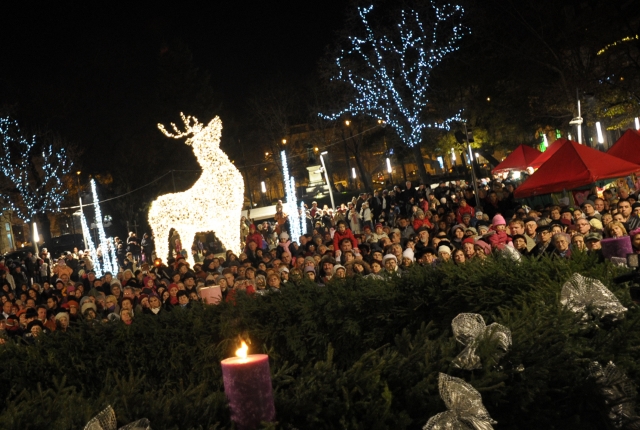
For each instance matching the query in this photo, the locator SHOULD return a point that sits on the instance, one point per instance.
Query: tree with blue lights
(33, 174)
(389, 71)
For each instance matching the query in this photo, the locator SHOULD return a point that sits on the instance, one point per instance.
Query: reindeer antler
(190, 129)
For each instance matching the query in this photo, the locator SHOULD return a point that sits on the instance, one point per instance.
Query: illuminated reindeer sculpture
(213, 203)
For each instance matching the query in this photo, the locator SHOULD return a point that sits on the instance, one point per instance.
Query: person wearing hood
(339, 271)
(285, 245)
(255, 236)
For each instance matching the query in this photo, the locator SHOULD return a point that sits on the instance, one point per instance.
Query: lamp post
(326, 176)
(577, 121)
(346, 155)
(600, 135)
(473, 169)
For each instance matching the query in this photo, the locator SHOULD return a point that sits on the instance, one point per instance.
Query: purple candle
(247, 384)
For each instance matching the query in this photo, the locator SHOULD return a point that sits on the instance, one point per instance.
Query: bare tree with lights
(389, 72)
(33, 170)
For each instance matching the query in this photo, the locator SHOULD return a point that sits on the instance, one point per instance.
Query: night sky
(53, 54)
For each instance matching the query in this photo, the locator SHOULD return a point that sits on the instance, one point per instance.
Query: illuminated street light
(599, 130)
(347, 123)
(353, 172)
(263, 186)
(284, 141)
(389, 165)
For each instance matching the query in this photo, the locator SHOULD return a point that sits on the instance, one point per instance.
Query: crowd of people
(375, 236)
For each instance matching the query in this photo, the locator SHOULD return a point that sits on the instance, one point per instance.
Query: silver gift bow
(580, 294)
(464, 404)
(619, 395)
(469, 330)
(106, 420)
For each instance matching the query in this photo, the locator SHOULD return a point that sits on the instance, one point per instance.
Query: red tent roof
(544, 156)
(627, 147)
(572, 166)
(519, 159)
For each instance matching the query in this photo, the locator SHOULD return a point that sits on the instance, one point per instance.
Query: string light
(35, 171)
(109, 261)
(291, 204)
(623, 40)
(97, 268)
(303, 219)
(213, 203)
(395, 81)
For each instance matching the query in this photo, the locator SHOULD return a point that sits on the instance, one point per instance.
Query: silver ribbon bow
(619, 395)
(470, 330)
(106, 420)
(580, 293)
(464, 404)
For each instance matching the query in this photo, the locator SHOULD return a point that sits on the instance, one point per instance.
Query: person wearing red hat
(468, 247)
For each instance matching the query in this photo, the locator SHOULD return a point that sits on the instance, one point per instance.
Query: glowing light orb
(213, 203)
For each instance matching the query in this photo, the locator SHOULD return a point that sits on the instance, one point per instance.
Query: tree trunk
(44, 229)
(364, 176)
(417, 155)
(487, 155)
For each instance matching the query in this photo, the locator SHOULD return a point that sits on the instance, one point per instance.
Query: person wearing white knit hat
(444, 253)
(408, 258)
(390, 263)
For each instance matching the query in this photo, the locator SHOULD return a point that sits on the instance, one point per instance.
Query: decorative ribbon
(580, 294)
(464, 404)
(106, 420)
(470, 330)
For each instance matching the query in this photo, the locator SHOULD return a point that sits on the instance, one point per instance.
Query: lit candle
(247, 385)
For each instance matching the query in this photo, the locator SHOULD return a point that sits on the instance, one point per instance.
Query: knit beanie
(498, 220)
(408, 253)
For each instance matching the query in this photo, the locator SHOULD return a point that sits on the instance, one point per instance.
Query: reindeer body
(213, 203)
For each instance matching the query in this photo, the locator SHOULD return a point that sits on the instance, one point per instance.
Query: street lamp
(263, 188)
(353, 172)
(284, 141)
(326, 176)
(347, 123)
(600, 135)
(577, 121)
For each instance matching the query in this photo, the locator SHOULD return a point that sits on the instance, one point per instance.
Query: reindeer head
(202, 139)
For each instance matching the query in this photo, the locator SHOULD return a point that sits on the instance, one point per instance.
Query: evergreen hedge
(356, 354)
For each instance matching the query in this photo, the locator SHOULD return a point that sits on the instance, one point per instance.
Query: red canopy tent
(544, 156)
(519, 159)
(572, 166)
(627, 147)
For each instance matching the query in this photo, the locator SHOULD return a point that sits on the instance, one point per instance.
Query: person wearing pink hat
(498, 237)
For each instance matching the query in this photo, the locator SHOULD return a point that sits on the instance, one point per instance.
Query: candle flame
(242, 352)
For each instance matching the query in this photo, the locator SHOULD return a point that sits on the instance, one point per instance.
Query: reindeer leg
(161, 234)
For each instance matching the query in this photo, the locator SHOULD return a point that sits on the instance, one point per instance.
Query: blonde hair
(614, 224)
